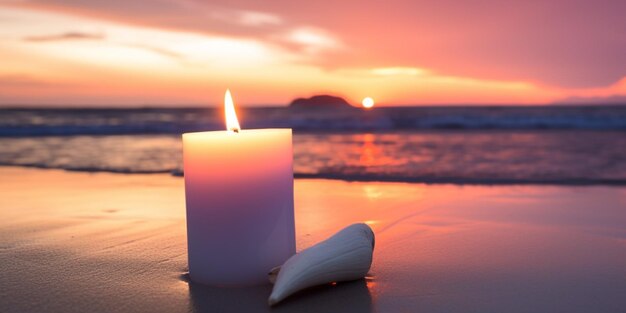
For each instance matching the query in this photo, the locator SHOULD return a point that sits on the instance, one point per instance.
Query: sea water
(487, 145)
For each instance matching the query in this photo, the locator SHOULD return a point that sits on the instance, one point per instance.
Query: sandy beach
(101, 242)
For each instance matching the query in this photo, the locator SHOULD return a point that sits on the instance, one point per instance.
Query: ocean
(463, 145)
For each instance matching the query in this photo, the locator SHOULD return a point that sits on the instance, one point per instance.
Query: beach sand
(81, 242)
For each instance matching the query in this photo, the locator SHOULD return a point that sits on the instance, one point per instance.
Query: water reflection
(368, 150)
(508, 156)
(342, 297)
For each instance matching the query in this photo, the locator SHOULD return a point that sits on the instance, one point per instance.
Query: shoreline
(367, 178)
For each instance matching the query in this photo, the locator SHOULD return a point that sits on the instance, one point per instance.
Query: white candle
(239, 194)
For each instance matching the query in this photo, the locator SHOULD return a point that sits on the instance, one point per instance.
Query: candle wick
(235, 130)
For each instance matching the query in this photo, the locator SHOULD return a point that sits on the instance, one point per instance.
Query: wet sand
(80, 242)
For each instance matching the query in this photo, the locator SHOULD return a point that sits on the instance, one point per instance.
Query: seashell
(345, 256)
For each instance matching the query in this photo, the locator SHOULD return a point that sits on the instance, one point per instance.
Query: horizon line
(261, 106)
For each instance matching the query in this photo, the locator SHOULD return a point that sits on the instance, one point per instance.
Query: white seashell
(345, 256)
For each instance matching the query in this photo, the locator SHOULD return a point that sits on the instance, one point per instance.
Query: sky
(187, 52)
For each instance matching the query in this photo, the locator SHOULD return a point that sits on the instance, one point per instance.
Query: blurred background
(472, 92)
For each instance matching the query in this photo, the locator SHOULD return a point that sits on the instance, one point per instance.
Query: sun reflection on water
(369, 151)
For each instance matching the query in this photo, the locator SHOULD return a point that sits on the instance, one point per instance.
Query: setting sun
(368, 102)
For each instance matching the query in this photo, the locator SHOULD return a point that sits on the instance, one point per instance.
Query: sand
(80, 242)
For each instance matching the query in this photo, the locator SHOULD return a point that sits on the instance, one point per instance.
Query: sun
(368, 102)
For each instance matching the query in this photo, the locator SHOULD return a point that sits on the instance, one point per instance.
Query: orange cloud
(188, 52)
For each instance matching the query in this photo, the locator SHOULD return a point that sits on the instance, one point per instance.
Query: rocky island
(317, 102)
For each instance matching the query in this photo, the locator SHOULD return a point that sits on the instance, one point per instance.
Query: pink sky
(186, 52)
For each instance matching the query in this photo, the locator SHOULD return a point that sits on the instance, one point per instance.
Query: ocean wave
(366, 177)
(67, 122)
(460, 157)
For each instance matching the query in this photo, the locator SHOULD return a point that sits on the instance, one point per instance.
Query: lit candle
(239, 194)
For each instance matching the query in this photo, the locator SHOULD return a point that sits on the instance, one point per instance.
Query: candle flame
(232, 124)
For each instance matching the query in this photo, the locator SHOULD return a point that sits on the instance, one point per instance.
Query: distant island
(320, 102)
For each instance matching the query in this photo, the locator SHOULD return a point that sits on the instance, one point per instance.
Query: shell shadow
(343, 297)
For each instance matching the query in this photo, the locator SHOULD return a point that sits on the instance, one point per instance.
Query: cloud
(559, 43)
(247, 18)
(160, 51)
(67, 36)
(309, 42)
(27, 81)
(19, 80)
(208, 18)
(311, 37)
(392, 71)
(250, 18)
(612, 99)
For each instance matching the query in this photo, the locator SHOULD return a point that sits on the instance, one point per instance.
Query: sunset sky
(187, 52)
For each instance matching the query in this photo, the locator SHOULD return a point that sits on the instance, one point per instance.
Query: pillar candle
(239, 199)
